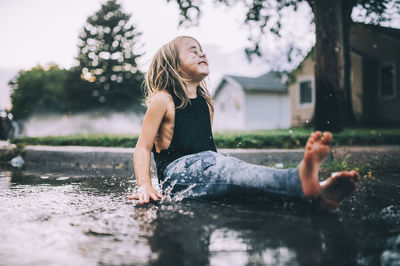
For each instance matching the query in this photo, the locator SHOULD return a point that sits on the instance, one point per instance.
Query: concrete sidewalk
(121, 158)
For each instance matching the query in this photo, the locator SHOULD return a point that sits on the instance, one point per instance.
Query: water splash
(391, 256)
(172, 196)
(391, 213)
(17, 162)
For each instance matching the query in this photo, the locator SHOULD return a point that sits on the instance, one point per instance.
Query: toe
(316, 135)
(327, 139)
(351, 177)
(355, 175)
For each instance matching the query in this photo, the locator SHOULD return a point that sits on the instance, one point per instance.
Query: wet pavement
(56, 216)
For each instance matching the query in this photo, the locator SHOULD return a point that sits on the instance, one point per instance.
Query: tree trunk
(345, 15)
(333, 105)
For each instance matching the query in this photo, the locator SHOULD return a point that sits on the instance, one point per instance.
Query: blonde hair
(163, 75)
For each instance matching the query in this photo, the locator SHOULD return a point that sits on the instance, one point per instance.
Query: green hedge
(293, 138)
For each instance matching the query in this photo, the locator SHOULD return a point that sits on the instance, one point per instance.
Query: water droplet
(17, 162)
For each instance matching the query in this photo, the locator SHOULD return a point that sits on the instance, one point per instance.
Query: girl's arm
(142, 154)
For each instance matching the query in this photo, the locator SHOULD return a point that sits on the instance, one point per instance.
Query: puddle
(84, 218)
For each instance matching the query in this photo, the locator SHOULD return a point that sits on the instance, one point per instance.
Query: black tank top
(192, 134)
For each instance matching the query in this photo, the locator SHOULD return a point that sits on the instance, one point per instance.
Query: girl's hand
(144, 194)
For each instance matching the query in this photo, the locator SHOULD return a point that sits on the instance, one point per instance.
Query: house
(375, 78)
(245, 103)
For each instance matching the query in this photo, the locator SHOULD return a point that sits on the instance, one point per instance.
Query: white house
(244, 103)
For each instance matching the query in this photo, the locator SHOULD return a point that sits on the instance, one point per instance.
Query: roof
(391, 32)
(270, 81)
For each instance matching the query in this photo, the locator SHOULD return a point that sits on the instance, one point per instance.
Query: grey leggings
(210, 173)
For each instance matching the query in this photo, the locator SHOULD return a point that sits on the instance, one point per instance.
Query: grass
(297, 137)
(365, 170)
(289, 138)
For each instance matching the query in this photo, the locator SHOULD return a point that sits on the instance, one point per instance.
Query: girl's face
(193, 63)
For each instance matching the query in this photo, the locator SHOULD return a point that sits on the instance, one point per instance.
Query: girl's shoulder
(162, 98)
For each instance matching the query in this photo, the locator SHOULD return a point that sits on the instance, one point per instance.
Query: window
(387, 80)
(305, 92)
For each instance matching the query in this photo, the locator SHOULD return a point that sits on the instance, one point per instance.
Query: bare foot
(331, 191)
(317, 148)
(337, 187)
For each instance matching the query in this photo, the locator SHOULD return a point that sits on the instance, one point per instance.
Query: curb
(84, 157)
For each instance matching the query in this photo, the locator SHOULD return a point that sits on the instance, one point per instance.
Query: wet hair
(163, 75)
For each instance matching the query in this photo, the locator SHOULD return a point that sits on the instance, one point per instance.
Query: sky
(47, 30)
(44, 31)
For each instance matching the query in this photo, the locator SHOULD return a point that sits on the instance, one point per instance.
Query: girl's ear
(178, 68)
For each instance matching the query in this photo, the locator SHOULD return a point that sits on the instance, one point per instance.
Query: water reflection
(49, 217)
(232, 234)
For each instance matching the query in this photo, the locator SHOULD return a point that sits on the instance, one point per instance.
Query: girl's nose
(203, 55)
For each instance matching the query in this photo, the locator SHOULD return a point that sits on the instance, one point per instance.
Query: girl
(177, 129)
